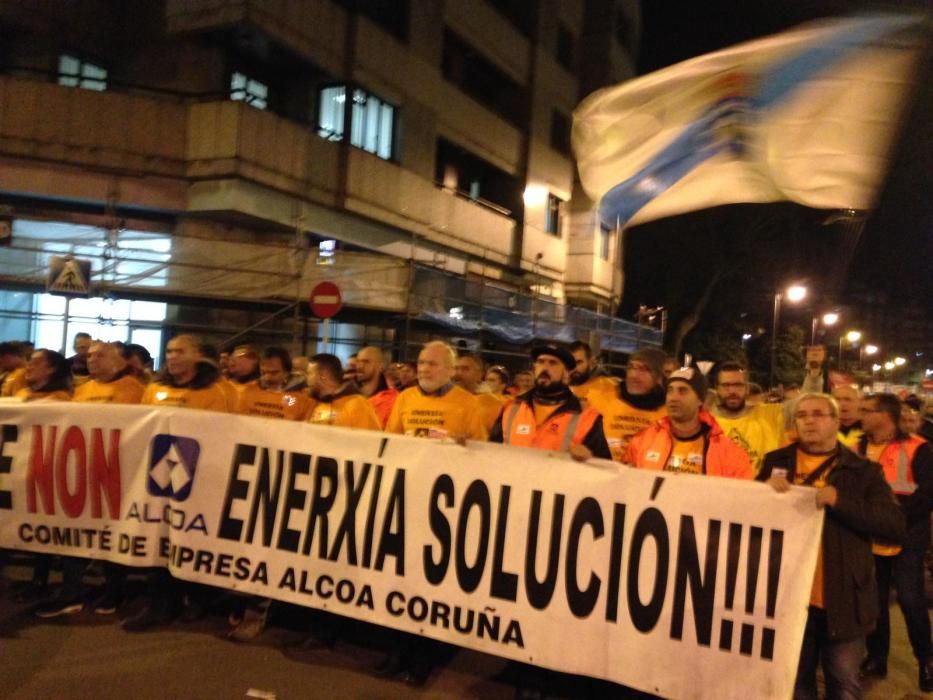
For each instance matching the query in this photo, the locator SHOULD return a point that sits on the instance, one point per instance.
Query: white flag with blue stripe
(807, 116)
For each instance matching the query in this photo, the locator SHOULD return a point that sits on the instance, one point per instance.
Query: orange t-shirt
(806, 465)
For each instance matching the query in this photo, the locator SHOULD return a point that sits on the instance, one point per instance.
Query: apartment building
(214, 159)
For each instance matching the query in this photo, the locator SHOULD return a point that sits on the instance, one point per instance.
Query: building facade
(214, 159)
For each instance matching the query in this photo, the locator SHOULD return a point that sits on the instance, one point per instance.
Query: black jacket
(866, 508)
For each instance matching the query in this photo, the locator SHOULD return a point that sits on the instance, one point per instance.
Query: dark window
(392, 15)
(552, 215)
(75, 72)
(565, 52)
(372, 120)
(459, 170)
(251, 91)
(482, 80)
(521, 14)
(560, 133)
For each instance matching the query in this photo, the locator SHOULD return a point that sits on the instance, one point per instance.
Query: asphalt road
(89, 656)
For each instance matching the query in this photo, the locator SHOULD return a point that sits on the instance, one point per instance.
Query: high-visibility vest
(561, 430)
(897, 462)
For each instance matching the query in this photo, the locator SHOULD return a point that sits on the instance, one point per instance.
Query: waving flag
(807, 116)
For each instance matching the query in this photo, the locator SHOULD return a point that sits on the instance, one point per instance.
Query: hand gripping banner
(684, 586)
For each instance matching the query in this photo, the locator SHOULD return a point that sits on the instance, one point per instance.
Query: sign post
(326, 302)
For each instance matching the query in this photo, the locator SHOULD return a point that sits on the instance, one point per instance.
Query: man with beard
(370, 375)
(637, 403)
(550, 416)
(436, 407)
(585, 377)
(746, 426)
(688, 440)
(850, 427)
(338, 401)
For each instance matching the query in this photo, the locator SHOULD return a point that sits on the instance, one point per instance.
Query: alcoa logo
(173, 461)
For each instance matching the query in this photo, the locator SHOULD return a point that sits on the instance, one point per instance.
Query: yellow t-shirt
(253, 400)
(851, 438)
(126, 389)
(491, 406)
(14, 381)
(354, 411)
(806, 465)
(753, 432)
(455, 413)
(210, 398)
(622, 421)
(596, 388)
(686, 456)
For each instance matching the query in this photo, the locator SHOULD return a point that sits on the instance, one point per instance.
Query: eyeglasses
(803, 415)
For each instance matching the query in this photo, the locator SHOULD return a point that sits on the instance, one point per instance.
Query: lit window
(372, 120)
(552, 215)
(249, 90)
(73, 72)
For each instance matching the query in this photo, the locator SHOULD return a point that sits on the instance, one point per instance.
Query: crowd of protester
(866, 456)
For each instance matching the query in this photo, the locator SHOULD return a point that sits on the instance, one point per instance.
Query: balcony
(384, 191)
(233, 140)
(105, 130)
(315, 30)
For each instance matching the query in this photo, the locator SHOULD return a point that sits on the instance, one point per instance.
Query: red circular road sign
(325, 300)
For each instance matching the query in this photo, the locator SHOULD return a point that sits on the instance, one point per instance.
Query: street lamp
(852, 337)
(795, 293)
(889, 366)
(898, 361)
(829, 319)
(871, 349)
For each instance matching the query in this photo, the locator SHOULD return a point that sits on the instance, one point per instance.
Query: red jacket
(382, 403)
(651, 448)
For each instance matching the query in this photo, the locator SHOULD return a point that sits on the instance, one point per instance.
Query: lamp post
(829, 319)
(852, 337)
(795, 293)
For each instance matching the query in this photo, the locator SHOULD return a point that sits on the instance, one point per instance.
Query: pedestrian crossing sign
(70, 276)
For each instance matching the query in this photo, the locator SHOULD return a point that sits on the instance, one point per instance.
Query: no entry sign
(325, 300)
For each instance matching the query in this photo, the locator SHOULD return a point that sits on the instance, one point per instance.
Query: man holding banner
(859, 506)
(550, 416)
(436, 407)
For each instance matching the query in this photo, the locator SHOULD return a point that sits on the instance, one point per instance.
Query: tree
(789, 358)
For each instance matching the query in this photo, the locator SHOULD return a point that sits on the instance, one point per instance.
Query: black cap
(693, 378)
(561, 354)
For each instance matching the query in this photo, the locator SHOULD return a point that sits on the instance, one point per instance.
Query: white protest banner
(684, 586)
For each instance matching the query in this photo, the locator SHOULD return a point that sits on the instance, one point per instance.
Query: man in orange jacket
(550, 416)
(689, 439)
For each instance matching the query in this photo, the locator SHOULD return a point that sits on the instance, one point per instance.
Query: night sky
(894, 253)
